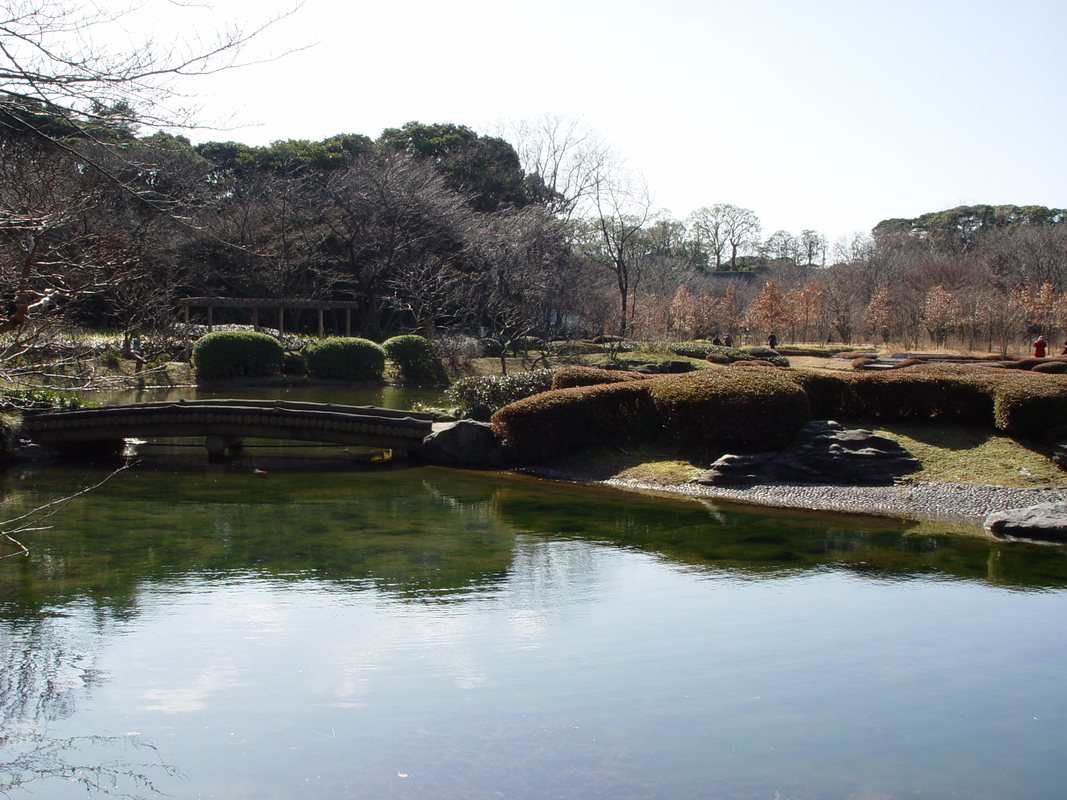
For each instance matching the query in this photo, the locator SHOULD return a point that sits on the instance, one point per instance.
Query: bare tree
(385, 219)
(614, 238)
(724, 228)
(813, 247)
(520, 272)
(567, 155)
(741, 228)
(54, 59)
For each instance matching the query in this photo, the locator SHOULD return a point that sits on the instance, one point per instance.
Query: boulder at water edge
(466, 443)
(1043, 521)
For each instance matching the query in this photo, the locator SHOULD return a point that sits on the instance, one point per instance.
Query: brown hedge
(750, 410)
(739, 410)
(559, 421)
(569, 377)
(1016, 402)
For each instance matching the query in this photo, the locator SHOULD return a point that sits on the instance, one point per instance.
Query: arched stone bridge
(225, 424)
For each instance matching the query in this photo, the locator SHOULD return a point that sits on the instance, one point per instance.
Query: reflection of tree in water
(48, 666)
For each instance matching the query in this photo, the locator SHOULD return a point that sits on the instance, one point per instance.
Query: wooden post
(255, 318)
(210, 318)
(322, 330)
(348, 321)
(187, 345)
(281, 321)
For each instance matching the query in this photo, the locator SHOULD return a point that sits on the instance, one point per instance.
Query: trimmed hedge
(221, 355)
(552, 423)
(415, 358)
(742, 411)
(569, 377)
(1028, 405)
(829, 393)
(751, 410)
(1017, 403)
(745, 411)
(345, 358)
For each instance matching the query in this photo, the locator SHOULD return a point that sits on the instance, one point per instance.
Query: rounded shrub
(415, 358)
(491, 348)
(236, 354)
(345, 358)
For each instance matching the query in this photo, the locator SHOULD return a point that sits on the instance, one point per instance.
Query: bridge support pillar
(221, 446)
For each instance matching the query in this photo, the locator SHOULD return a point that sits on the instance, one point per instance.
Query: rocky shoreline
(940, 502)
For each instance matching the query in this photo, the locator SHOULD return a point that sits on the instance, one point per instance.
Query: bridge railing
(225, 423)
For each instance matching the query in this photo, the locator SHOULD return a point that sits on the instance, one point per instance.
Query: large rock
(1044, 521)
(466, 443)
(824, 452)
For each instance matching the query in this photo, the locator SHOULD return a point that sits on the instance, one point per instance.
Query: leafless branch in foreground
(30, 521)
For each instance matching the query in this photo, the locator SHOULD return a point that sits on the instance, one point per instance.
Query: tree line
(434, 225)
(540, 229)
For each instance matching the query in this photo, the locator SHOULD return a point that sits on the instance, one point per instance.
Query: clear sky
(824, 114)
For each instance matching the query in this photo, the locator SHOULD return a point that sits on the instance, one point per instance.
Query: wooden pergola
(277, 306)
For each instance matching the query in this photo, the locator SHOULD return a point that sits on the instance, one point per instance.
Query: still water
(337, 631)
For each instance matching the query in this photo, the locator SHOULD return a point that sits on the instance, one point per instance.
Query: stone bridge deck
(225, 424)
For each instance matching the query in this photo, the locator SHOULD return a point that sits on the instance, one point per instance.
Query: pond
(333, 630)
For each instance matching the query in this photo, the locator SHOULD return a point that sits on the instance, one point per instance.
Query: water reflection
(432, 633)
(49, 666)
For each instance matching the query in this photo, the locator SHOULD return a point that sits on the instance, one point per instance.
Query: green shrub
(415, 357)
(495, 391)
(745, 411)
(345, 358)
(568, 377)
(236, 354)
(491, 348)
(552, 423)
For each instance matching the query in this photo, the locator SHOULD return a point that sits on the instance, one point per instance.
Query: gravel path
(948, 502)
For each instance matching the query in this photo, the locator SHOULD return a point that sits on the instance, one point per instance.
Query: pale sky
(824, 114)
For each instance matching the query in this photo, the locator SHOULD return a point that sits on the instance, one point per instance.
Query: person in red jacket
(1039, 347)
